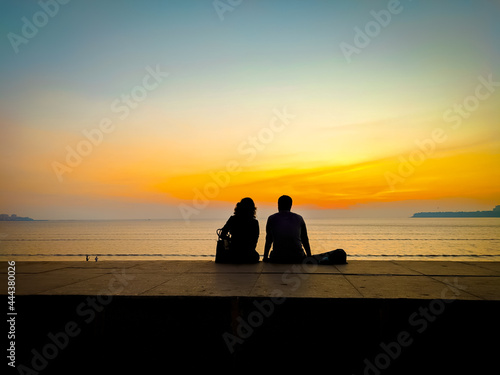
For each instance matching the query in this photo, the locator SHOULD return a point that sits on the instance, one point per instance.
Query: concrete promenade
(366, 317)
(359, 279)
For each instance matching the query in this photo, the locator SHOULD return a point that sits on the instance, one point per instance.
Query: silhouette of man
(286, 232)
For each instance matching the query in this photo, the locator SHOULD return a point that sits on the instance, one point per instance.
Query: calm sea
(433, 238)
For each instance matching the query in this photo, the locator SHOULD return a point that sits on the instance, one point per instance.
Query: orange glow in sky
(167, 108)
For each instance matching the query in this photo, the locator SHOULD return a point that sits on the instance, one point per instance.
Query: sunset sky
(178, 109)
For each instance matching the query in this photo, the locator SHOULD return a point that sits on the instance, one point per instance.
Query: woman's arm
(227, 227)
(256, 233)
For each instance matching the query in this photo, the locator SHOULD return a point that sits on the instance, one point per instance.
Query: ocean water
(406, 238)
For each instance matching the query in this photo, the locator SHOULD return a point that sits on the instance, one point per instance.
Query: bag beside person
(337, 256)
(222, 253)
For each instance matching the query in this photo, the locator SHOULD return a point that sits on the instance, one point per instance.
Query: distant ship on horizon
(494, 213)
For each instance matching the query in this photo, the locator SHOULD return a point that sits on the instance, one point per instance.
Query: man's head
(284, 203)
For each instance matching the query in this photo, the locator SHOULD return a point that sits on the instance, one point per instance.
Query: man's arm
(269, 241)
(305, 239)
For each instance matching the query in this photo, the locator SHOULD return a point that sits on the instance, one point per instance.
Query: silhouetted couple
(285, 231)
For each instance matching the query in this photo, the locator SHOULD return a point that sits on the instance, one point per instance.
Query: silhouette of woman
(244, 230)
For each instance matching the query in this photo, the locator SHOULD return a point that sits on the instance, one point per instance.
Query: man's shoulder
(298, 217)
(294, 215)
(273, 217)
(280, 215)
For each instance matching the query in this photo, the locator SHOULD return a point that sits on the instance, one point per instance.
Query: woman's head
(245, 207)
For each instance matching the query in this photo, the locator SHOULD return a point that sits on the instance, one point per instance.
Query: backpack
(338, 256)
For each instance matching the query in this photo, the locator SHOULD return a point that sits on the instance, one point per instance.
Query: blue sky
(226, 77)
